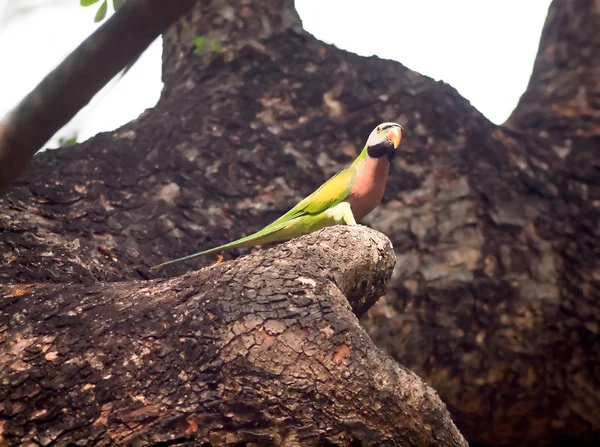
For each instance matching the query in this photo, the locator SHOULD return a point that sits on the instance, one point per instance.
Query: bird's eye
(379, 129)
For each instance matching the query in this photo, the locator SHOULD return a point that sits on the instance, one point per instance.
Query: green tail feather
(260, 237)
(282, 230)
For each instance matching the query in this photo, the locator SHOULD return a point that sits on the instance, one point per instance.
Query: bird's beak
(395, 136)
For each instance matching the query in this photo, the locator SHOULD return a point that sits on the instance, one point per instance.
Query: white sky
(485, 49)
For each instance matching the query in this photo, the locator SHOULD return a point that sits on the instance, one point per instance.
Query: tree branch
(263, 348)
(563, 94)
(69, 87)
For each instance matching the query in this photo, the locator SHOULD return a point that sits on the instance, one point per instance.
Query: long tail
(260, 237)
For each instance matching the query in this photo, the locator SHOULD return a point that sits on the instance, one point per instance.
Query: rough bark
(495, 297)
(563, 95)
(497, 291)
(262, 350)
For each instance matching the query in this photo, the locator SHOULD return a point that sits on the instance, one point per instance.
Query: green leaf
(101, 12)
(216, 47)
(66, 142)
(117, 4)
(88, 2)
(199, 43)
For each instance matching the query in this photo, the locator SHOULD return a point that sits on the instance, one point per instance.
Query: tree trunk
(563, 95)
(494, 297)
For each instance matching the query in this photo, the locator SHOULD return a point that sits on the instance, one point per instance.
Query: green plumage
(324, 207)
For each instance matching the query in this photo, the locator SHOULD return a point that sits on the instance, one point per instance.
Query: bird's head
(384, 140)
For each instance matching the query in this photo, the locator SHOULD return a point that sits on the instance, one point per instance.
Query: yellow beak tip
(395, 136)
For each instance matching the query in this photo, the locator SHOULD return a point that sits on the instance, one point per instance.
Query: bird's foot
(342, 214)
(349, 218)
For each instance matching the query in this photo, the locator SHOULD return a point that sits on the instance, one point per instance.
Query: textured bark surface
(264, 349)
(563, 95)
(495, 297)
(497, 285)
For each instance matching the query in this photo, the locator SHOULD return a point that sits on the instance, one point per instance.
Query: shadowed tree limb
(70, 86)
(261, 349)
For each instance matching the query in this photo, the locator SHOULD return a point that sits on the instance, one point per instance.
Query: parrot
(346, 197)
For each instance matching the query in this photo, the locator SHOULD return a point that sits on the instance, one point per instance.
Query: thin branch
(68, 88)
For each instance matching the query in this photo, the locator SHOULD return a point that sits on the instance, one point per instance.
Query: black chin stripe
(380, 150)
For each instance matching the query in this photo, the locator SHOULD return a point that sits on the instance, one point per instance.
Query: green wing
(332, 192)
(329, 194)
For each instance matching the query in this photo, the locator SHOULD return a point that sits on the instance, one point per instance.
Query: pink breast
(368, 186)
